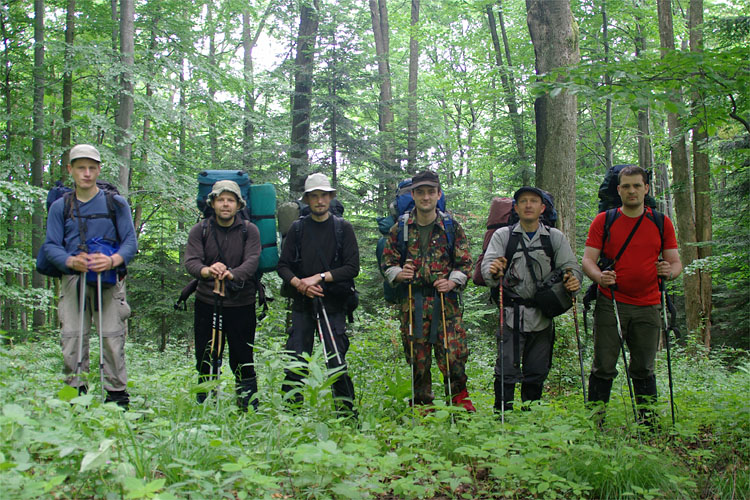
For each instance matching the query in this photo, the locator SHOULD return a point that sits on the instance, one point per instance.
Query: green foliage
(56, 443)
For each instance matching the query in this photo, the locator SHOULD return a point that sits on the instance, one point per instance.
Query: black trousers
(536, 356)
(301, 340)
(238, 325)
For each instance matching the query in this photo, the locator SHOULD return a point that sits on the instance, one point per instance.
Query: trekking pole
(411, 340)
(445, 346)
(502, 356)
(218, 332)
(624, 357)
(663, 288)
(101, 335)
(81, 308)
(330, 332)
(578, 341)
(320, 330)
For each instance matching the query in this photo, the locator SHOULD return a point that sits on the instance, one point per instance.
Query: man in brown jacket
(225, 248)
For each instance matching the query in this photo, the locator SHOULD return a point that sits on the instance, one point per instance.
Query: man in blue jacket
(84, 237)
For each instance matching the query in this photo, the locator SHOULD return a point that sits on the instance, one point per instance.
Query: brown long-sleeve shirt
(241, 257)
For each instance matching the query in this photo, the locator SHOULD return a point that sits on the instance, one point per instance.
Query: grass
(55, 444)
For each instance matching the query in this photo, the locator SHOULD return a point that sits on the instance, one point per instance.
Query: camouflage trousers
(458, 351)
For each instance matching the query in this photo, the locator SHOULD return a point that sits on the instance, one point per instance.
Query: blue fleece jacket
(63, 236)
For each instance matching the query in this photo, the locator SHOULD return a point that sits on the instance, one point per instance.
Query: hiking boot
(509, 389)
(531, 392)
(462, 399)
(645, 399)
(599, 391)
(122, 398)
(246, 389)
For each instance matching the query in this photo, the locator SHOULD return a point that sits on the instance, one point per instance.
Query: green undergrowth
(55, 444)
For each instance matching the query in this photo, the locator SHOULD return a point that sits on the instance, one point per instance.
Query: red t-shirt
(636, 270)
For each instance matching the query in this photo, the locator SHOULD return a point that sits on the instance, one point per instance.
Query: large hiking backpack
(608, 196)
(260, 209)
(501, 210)
(399, 209)
(59, 190)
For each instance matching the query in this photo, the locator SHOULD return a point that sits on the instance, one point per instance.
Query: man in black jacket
(226, 248)
(319, 260)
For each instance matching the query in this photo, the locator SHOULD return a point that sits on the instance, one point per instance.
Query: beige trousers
(115, 312)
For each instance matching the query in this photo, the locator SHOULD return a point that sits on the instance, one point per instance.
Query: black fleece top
(241, 259)
(317, 253)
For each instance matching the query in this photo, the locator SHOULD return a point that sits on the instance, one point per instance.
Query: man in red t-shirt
(634, 278)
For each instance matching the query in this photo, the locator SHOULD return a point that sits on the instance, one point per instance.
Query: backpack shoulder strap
(546, 240)
(403, 237)
(338, 232)
(450, 232)
(513, 239)
(658, 219)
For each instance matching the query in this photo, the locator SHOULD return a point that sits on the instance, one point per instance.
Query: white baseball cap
(84, 151)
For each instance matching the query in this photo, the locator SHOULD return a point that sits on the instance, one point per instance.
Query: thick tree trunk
(413, 117)
(681, 185)
(555, 38)
(379, 16)
(67, 93)
(701, 178)
(509, 88)
(124, 118)
(302, 101)
(37, 149)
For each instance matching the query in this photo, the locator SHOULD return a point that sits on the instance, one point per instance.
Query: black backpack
(43, 265)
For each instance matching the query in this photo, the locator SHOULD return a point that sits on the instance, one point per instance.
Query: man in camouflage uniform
(435, 260)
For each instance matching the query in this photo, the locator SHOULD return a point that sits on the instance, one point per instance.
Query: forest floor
(55, 444)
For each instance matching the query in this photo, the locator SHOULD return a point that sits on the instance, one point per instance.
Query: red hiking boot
(462, 399)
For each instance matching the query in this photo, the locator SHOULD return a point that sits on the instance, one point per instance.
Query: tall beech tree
(302, 100)
(124, 117)
(681, 183)
(555, 38)
(701, 177)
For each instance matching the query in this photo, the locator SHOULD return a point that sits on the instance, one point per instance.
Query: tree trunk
(681, 184)
(249, 41)
(302, 101)
(509, 88)
(124, 117)
(608, 148)
(67, 92)
(413, 117)
(379, 16)
(701, 179)
(555, 38)
(37, 150)
(213, 141)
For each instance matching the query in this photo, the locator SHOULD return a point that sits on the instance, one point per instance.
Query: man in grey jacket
(536, 251)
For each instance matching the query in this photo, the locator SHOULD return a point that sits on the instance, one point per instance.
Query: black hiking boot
(599, 391)
(122, 398)
(246, 389)
(645, 399)
(507, 405)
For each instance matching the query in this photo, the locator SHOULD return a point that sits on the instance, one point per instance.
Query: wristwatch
(322, 277)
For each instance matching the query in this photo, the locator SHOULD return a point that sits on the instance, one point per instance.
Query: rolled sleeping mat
(263, 215)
